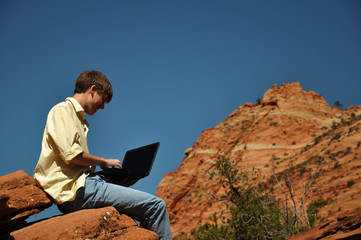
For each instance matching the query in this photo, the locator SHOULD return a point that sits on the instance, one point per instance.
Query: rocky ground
(20, 198)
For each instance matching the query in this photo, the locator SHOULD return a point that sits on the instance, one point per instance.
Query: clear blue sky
(177, 67)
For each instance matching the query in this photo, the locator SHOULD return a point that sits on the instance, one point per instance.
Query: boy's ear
(92, 89)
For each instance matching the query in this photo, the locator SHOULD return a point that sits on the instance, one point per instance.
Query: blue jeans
(149, 210)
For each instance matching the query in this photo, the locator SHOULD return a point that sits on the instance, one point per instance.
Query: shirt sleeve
(65, 132)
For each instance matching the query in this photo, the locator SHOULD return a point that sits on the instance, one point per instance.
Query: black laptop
(137, 164)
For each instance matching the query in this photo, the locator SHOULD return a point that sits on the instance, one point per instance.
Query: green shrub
(254, 215)
(350, 183)
(315, 207)
(338, 104)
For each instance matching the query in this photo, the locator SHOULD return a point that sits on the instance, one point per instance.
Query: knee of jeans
(161, 203)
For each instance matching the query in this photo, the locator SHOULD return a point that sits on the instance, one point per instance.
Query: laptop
(137, 164)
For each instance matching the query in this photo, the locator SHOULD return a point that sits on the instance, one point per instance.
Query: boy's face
(95, 102)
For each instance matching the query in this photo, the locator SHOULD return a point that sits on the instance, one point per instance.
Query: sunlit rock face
(345, 226)
(288, 130)
(19, 199)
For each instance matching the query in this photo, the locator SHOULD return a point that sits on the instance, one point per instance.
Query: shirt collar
(77, 107)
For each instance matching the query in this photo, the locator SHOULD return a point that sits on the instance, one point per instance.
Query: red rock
(286, 129)
(101, 223)
(19, 199)
(345, 227)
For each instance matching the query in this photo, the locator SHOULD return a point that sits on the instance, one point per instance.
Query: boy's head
(90, 78)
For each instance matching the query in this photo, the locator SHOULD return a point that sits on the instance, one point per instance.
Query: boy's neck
(81, 98)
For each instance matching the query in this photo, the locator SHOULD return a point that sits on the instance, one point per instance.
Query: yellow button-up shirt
(65, 136)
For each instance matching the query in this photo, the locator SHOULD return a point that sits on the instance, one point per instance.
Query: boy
(65, 169)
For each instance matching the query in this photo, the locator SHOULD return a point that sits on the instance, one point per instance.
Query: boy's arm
(86, 159)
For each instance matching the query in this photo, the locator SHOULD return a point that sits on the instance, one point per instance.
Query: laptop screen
(140, 160)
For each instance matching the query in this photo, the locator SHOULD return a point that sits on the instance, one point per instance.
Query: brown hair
(89, 78)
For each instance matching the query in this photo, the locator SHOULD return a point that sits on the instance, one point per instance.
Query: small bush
(336, 137)
(350, 183)
(315, 207)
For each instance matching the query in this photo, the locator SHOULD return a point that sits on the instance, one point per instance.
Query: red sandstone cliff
(288, 130)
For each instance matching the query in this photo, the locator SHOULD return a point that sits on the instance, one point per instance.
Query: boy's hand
(111, 163)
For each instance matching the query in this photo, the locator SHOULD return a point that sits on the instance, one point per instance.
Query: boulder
(19, 199)
(101, 223)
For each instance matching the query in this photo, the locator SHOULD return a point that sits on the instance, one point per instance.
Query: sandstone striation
(289, 133)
